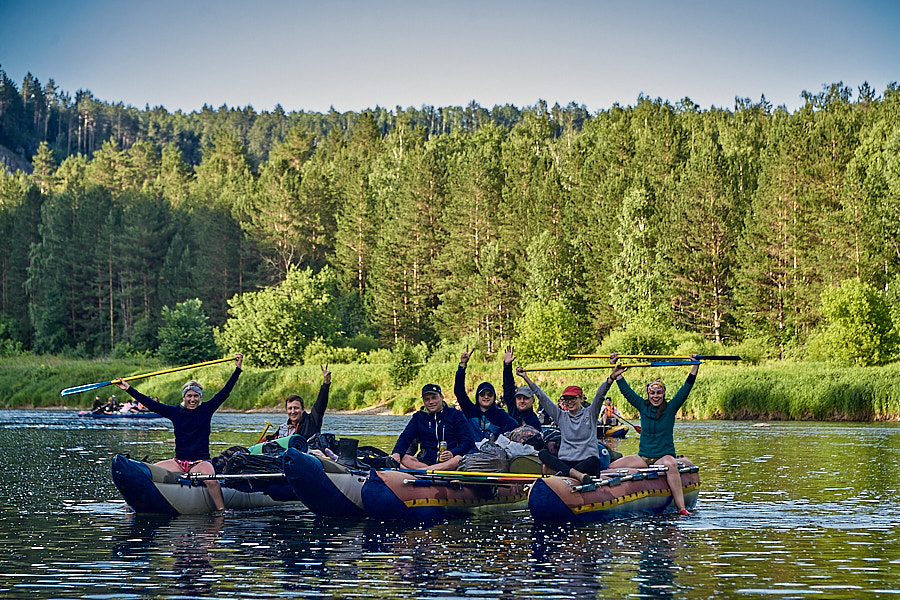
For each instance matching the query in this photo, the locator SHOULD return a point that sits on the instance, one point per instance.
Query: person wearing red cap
(579, 453)
(657, 445)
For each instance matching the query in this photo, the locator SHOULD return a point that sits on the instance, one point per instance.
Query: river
(792, 510)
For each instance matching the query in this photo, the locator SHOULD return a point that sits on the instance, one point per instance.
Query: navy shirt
(192, 427)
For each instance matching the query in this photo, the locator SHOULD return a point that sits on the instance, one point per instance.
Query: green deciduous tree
(186, 335)
(858, 327)
(547, 330)
(273, 326)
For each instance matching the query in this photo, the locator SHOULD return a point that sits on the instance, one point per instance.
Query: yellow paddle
(661, 356)
(472, 473)
(94, 386)
(262, 436)
(649, 364)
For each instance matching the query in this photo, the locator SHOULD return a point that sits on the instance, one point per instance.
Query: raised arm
(222, 395)
(459, 385)
(509, 382)
(547, 404)
(318, 410)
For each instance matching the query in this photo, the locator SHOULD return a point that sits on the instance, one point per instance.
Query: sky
(352, 55)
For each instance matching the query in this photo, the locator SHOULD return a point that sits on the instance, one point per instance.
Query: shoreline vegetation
(769, 391)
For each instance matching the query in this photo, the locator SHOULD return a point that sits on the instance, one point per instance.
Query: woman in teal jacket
(657, 446)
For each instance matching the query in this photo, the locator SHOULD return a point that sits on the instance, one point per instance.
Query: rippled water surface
(794, 510)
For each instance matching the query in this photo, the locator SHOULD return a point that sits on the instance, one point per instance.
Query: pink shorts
(187, 465)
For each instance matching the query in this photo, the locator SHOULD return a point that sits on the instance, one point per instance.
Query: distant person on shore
(486, 419)
(443, 434)
(192, 421)
(657, 446)
(300, 422)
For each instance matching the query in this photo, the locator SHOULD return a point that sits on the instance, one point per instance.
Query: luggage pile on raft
(336, 478)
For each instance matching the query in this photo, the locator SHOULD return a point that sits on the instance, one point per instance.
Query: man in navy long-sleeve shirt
(436, 425)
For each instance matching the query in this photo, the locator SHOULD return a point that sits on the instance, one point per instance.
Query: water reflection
(790, 511)
(176, 548)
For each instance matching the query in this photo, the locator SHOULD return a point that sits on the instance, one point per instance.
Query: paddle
(426, 482)
(677, 363)
(637, 428)
(663, 356)
(529, 476)
(262, 436)
(207, 476)
(93, 386)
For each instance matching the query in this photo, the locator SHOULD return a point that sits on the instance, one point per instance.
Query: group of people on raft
(113, 407)
(443, 434)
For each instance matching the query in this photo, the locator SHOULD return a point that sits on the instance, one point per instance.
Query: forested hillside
(442, 224)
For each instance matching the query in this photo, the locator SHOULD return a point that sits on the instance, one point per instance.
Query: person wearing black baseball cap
(442, 432)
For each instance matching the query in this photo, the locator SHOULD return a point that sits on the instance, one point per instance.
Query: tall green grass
(791, 391)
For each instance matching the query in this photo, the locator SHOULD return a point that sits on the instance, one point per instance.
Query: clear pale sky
(352, 55)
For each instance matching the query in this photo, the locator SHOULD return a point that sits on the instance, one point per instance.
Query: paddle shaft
(663, 356)
(651, 364)
(94, 386)
(529, 476)
(205, 476)
(262, 436)
(496, 483)
(637, 428)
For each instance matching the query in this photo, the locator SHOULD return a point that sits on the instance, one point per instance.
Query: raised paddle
(675, 363)
(93, 386)
(661, 356)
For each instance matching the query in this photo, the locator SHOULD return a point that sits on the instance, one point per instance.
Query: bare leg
(447, 465)
(411, 462)
(170, 465)
(632, 461)
(215, 490)
(674, 479)
(576, 475)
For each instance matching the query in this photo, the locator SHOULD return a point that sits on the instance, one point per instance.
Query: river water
(793, 510)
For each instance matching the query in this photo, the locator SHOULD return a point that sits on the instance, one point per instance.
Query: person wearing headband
(192, 421)
(657, 445)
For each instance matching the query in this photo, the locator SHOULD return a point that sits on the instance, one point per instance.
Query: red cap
(573, 390)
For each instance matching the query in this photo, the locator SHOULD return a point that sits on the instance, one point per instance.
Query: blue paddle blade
(84, 388)
(674, 363)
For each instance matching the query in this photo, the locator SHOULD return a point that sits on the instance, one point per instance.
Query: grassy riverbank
(774, 391)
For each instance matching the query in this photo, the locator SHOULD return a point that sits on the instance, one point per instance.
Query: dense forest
(552, 227)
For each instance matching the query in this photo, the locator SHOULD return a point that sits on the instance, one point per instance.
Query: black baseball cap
(431, 388)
